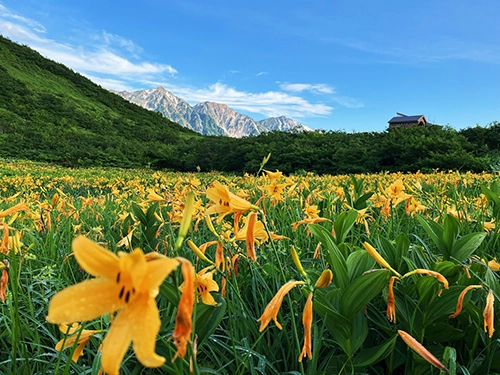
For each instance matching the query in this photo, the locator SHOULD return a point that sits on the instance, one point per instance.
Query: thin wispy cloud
(261, 74)
(318, 88)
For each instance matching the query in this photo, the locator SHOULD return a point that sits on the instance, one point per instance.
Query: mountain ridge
(209, 118)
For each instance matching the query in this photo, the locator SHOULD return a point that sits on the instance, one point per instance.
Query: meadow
(385, 273)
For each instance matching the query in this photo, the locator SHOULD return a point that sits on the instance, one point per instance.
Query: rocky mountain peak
(207, 117)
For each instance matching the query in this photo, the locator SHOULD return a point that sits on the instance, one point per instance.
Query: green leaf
(369, 356)
(435, 232)
(451, 231)
(343, 224)
(442, 306)
(339, 326)
(360, 203)
(170, 293)
(139, 213)
(465, 246)
(334, 257)
(358, 262)
(208, 319)
(450, 360)
(402, 245)
(363, 290)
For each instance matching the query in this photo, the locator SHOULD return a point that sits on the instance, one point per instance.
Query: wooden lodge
(407, 121)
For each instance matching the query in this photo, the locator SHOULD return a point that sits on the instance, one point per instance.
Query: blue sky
(333, 65)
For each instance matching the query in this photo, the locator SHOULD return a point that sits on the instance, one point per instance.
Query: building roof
(405, 119)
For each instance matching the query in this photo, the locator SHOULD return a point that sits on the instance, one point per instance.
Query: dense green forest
(50, 113)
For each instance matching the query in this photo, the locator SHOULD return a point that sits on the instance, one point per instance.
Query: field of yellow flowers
(122, 271)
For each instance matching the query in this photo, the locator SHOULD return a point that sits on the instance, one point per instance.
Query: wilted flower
(272, 308)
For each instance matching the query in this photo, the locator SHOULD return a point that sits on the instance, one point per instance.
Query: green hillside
(50, 113)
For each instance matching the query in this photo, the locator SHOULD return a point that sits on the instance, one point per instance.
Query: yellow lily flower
(226, 202)
(204, 284)
(70, 340)
(127, 283)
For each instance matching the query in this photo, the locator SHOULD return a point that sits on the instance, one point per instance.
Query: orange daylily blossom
(489, 225)
(226, 202)
(494, 265)
(18, 207)
(421, 350)
(4, 280)
(250, 236)
(204, 283)
(461, 299)
(273, 175)
(437, 275)
(391, 308)
(127, 283)
(488, 314)
(395, 192)
(324, 279)
(307, 317)
(272, 308)
(184, 317)
(275, 190)
(81, 338)
(413, 206)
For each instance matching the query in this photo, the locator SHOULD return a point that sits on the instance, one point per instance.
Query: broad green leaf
(339, 326)
(370, 356)
(362, 290)
(435, 232)
(358, 262)
(450, 233)
(343, 224)
(208, 319)
(360, 203)
(389, 252)
(170, 292)
(465, 246)
(359, 333)
(402, 245)
(335, 256)
(442, 306)
(139, 213)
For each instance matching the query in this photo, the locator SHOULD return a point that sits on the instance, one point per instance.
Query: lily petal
(95, 259)
(158, 270)
(133, 264)
(84, 301)
(146, 325)
(116, 343)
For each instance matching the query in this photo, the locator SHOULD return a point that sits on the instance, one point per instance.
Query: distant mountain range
(207, 118)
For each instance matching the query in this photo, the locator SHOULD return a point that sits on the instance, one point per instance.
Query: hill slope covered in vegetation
(50, 113)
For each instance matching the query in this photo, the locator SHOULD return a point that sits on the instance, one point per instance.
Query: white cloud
(271, 103)
(98, 57)
(261, 74)
(318, 88)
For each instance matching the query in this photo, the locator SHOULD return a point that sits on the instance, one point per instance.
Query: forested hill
(50, 113)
